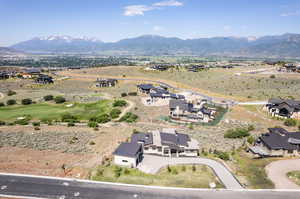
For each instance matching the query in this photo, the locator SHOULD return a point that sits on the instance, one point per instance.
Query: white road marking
(135, 195)
(62, 197)
(66, 183)
(76, 194)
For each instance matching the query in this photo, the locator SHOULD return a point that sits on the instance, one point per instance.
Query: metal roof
(128, 149)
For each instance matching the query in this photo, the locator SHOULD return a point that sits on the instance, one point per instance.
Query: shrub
(129, 117)
(71, 124)
(2, 123)
(11, 102)
(117, 171)
(37, 128)
(10, 93)
(119, 103)
(59, 99)
(36, 123)
(2, 104)
(174, 171)
(103, 118)
(237, 133)
(251, 140)
(46, 121)
(22, 122)
(114, 113)
(272, 76)
(48, 97)
(222, 155)
(92, 143)
(183, 168)
(26, 101)
(123, 94)
(194, 168)
(251, 128)
(132, 94)
(290, 122)
(92, 124)
(169, 169)
(69, 118)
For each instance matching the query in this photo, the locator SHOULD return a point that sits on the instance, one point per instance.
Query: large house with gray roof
(277, 142)
(184, 111)
(167, 142)
(283, 108)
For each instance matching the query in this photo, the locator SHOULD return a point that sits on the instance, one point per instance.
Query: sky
(112, 20)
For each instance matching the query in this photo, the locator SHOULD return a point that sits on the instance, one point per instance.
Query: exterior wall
(125, 161)
(296, 115)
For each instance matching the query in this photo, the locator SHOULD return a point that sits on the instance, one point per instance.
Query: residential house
(4, 75)
(277, 142)
(184, 111)
(30, 73)
(160, 67)
(283, 108)
(167, 142)
(44, 79)
(195, 68)
(145, 88)
(106, 82)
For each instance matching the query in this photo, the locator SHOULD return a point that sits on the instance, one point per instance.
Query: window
(124, 160)
(290, 151)
(146, 148)
(159, 149)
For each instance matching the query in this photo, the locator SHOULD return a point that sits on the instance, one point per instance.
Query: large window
(124, 160)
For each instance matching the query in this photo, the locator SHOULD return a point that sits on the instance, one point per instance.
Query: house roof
(279, 138)
(289, 104)
(32, 70)
(145, 86)
(182, 104)
(128, 149)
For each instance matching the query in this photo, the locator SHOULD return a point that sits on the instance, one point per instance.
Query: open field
(216, 82)
(54, 111)
(174, 176)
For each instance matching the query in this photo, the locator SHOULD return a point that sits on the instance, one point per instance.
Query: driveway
(152, 164)
(277, 173)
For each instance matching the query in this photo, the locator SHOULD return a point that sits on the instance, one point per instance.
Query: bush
(37, 128)
(2, 104)
(92, 124)
(114, 113)
(92, 143)
(103, 118)
(272, 76)
(119, 103)
(10, 93)
(129, 117)
(194, 168)
(48, 97)
(36, 123)
(123, 94)
(46, 121)
(22, 122)
(11, 102)
(237, 133)
(251, 128)
(69, 118)
(222, 155)
(251, 140)
(132, 94)
(59, 99)
(71, 124)
(290, 122)
(2, 123)
(26, 101)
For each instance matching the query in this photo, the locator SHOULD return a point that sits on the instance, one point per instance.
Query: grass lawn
(54, 111)
(294, 176)
(179, 176)
(253, 170)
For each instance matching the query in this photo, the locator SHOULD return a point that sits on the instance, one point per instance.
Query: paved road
(43, 187)
(152, 164)
(277, 173)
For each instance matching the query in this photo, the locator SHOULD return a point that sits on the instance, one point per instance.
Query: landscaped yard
(83, 111)
(294, 176)
(197, 176)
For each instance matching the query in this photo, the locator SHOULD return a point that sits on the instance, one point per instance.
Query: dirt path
(277, 172)
(127, 109)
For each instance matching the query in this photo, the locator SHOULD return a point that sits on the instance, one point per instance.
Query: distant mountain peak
(66, 38)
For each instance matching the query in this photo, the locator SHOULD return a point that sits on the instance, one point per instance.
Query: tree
(237, 133)
(11, 102)
(103, 118)
(2, 104)
(48, 97)
(114, 113)
(10, 93)
(92, 124)
(59, 99)
(26, 101)
(290, 122)
(119, 103)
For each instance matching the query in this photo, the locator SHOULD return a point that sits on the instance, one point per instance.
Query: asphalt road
(42, 187)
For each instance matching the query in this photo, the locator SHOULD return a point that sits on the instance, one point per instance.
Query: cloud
(296, 13)
(227, 28)
(135, 10)
(168, 3)
(158, 28)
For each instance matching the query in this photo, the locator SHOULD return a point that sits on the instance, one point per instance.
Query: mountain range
(278, 46)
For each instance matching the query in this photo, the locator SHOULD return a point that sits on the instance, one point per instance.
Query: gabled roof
(145, 86)
(279, 138)
(181, 104)
(128, 149)
(282, 103)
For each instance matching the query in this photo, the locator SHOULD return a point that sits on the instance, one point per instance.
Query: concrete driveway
(152, 164)
(277, 173)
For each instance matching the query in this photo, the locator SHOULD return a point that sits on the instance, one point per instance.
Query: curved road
(24, 186)
(152, 164)
(277, 172)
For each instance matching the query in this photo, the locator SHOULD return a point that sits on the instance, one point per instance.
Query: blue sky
(111, 20)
